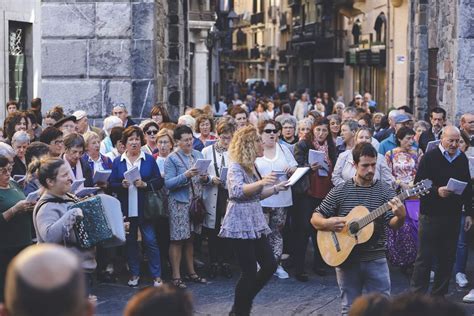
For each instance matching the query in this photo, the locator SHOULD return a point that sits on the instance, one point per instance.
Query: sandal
(196, 278)
(178, 283)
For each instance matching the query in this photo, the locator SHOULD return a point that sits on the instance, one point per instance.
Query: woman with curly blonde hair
(244, 223)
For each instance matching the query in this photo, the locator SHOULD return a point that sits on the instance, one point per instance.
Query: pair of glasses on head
(6, 170)
(151, 132)
(270, 131)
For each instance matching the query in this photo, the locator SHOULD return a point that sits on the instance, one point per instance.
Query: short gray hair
(288, 120)
(305, 122)
(20, 137)
(7, 151)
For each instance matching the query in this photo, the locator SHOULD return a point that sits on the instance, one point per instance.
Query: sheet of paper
(101, 176)
(223, 174)
(209, 142)
(33, 196)
(201, 165)
(316, 156)
(339, 141)
(87, 191)
(456, 186)
(281, 175)
(297, 175)
(432, 145)
(19, 178)
(76, 184)
(132, 175)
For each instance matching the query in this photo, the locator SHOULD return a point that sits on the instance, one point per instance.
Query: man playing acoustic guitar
(366, 267)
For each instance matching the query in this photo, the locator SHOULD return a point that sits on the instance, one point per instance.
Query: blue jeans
(355, 277)
(149, 238)
(461, 249)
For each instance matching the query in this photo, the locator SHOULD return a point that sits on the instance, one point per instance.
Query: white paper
(281, 176)
(209, 142)
(339, 141)
(132, 175)
(33, 196)
(316, 156)
(19, 178)
(87, 191)
(76, 184)
(456, 186)
(101, 176)
(432, 145)
(223, 174)
(297, 175)
(201, 165)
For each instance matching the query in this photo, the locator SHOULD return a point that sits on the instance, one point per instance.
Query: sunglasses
(270, 131)
(152, 132)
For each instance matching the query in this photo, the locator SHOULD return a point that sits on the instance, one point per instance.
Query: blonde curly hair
(242, 147)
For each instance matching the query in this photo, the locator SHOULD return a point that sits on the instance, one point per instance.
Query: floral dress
(402, 243)
(244, 218)
(181, 225)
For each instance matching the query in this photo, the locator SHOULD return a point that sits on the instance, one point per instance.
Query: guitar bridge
(335, 241)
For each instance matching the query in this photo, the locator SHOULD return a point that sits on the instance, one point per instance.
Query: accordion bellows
(102, 223)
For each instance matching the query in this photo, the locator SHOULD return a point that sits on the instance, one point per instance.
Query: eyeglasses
(288, 127)
(164, 142)
(152, 132)
(6, 170)
(270, 131)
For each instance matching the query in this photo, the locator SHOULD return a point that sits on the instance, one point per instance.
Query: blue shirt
(446, 154)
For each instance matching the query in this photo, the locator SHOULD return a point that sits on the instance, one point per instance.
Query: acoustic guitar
(335, 247)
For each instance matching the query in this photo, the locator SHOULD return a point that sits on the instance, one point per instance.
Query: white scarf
(78, 175)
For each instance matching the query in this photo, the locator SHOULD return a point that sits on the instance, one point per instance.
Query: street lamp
(233, 18)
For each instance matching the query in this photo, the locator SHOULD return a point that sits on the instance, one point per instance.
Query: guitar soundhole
(354, 228)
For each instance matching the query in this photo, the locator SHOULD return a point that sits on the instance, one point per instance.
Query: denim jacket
(175, 180)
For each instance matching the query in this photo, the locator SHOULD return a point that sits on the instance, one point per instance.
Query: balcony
(255, 53)
(257, 18)
(201, 16)
(366, 57)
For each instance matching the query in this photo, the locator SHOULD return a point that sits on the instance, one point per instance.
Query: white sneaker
(281, 273)
(432, 274)
(461, 279)
(133, 281)
(157, 282)
(469, 298)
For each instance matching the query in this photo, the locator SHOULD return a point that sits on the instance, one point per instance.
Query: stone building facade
(442, 56)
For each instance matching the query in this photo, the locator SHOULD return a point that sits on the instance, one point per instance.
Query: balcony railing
(201, 16)
(257, 18)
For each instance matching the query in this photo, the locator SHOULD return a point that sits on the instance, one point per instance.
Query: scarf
(324, 148)
(78, 175)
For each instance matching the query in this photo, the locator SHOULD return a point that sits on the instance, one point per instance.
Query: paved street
(319, 296)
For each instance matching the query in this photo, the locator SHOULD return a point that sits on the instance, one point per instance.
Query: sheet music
(87, 191)
(432, 145)
(456, 186)
(76, 184)
(101, 176)
(201, 165)
(132, 175)
(223, 174)
(297, 175)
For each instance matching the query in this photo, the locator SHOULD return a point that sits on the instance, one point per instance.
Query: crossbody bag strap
(215, 160)
(185, 166)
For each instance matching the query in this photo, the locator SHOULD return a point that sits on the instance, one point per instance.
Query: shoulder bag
(154, 206)
(197, 210)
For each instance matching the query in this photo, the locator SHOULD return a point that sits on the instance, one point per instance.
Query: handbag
(197, 210)
(154, 206)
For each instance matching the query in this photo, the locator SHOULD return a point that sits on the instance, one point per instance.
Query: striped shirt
(344, 197)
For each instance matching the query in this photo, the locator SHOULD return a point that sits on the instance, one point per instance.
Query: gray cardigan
(53, 223)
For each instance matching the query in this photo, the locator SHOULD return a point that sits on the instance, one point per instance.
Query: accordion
(102, 223)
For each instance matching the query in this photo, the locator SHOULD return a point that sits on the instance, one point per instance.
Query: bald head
(467, 123)
(45, 279)
(450, 139)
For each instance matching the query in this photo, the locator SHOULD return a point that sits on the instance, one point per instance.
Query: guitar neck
(366, 220)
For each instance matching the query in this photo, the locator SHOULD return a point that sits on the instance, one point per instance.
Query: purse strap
(185, 166)
(215, 160)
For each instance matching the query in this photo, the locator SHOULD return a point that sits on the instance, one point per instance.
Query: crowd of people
(252, 216)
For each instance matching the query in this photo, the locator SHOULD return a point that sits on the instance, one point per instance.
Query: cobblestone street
(319, 296)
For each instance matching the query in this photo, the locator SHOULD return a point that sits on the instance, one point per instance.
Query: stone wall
(99, 53)
(447, 25)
